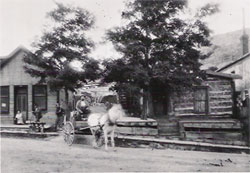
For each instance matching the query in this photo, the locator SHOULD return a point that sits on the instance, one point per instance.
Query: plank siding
(12, 75)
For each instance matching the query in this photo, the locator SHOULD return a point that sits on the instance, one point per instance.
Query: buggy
(79, 125)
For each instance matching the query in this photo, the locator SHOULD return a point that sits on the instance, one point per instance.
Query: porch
(216, 130)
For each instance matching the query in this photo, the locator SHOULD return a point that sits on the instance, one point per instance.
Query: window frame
(8, 99)
(206, 100)
(34, 96)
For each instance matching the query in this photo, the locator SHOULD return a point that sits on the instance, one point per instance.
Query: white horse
(105, 122)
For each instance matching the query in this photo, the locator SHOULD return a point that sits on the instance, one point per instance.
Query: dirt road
(53, 155)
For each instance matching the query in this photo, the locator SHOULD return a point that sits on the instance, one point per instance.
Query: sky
(22, 21)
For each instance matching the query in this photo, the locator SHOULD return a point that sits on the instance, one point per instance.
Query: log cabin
(213, 98)
(205, 113)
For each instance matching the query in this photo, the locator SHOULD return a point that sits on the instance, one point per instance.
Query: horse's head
(108, 105)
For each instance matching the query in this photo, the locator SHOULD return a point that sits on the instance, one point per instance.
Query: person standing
(59, 116)
(38, 114)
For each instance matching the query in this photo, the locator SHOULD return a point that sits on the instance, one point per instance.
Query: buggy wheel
(69, 133)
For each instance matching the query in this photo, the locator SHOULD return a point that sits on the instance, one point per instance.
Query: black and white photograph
(124, 86)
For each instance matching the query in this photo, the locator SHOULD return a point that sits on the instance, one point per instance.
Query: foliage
(158, 45)
(62, 44)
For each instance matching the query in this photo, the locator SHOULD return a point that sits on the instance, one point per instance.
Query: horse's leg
(112, 137)
(105, 132)
(94, 141)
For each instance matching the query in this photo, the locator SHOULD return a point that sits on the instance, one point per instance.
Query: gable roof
(234, 62)
(6, 59)
(224, 75)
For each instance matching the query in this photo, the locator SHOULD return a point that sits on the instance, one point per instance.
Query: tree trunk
(170, 104)
(147, 105)
(67, 111)
(147, 97)
(150, 105)
(144, 106)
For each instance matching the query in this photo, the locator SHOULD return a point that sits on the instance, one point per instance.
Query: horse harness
(102, 125)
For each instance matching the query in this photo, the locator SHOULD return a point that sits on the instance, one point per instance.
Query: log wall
(219, 99)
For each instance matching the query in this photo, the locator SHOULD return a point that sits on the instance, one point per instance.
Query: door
(21, 100)
(201, 100)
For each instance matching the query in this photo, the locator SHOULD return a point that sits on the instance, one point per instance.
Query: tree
(59, 46)
(160, 48)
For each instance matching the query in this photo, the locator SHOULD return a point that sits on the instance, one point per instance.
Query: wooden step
(142, 131)
(137, 124)
(227, 142)
(14, 127)
(212, 113)
(224, 136)
(213, 125)
(134, 121)
(175, 136)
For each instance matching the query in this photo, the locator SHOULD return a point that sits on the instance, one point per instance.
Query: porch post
(12, 101)
(29, 102)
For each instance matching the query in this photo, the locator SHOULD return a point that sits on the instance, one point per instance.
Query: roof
(234, 62)
(6, 59)
(224, 75)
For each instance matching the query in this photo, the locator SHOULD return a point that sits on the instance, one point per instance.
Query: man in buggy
(82, 108)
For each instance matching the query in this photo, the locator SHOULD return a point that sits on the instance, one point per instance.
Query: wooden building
(214, 97)
(205, 112)
(20, 91)
(239, 67)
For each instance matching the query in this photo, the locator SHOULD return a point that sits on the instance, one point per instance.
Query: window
(40, 96)
(201, 100)
(4, 99)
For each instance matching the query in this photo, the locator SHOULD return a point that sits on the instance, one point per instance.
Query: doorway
(201, 100)
(21, 100)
